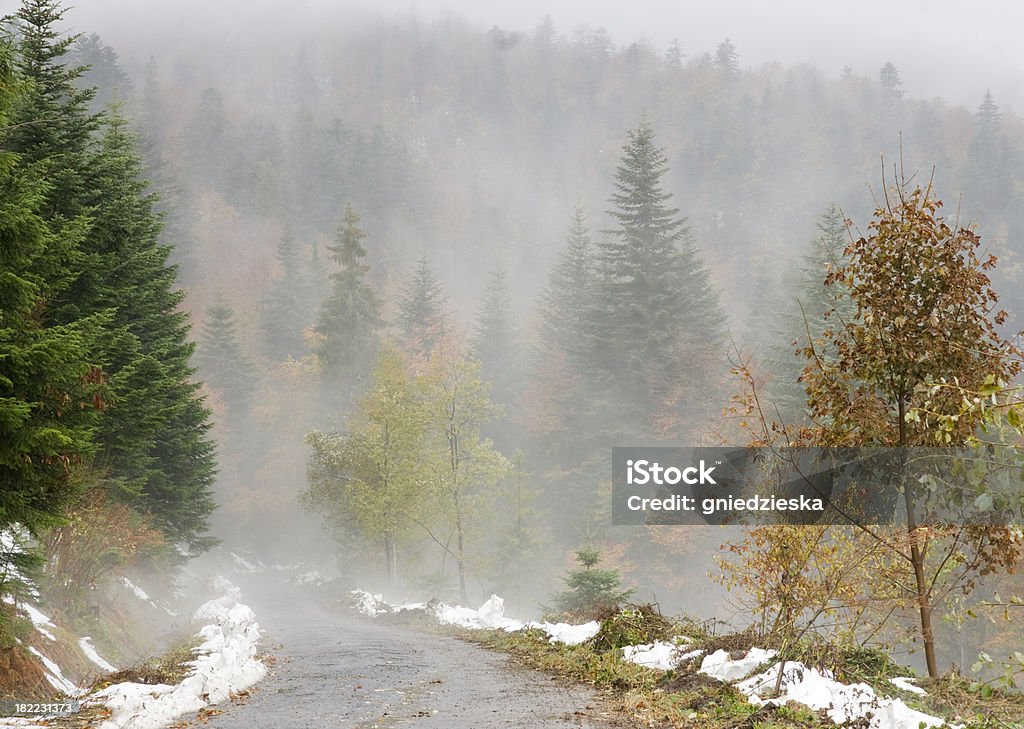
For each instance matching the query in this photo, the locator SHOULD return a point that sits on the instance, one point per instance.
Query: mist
(417, 199)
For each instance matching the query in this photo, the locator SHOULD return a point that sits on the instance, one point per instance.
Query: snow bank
(842, 702)
(144, 596)
(225, 663)
(660, 654)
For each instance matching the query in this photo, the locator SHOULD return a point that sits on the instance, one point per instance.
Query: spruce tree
(286, 313)
(561, 351)
(223, 363)
(564, 302)
(51, 388)
(655, 319)
(152, 441)
(421, 309)
(349, 317)
(496, 339)
(798, 315)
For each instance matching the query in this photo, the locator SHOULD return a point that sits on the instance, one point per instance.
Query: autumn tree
(925, 314)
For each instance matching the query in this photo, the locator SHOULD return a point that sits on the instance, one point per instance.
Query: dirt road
(339, 671)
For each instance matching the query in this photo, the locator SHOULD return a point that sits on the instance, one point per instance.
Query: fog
(941, 48)
(466, 137)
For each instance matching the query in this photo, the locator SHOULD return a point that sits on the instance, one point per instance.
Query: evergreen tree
(799, 316)
(988, 174)
(422, 319)
(101, 72)
(223, 363)
(51, 389)
(554, 391)
(496, 339)
(152, 442)
(655, 317)
(53, 118)
(154, 438)
(889, 78)
(727, 60)
(349, 317)
(286, 310)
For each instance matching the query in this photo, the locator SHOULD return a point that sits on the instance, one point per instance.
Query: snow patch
(90, 652)
(55, 676)
(40, 621)
(904, 683)
(719, 665)
(842, 702)
(660, 654)
(489, 616)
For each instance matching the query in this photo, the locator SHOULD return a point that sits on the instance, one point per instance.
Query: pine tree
(988, 173)
(223, 363)
(889, 78)
(286, 312)
(655, 317)
(422, 319)
(496, 339)
(349, 317)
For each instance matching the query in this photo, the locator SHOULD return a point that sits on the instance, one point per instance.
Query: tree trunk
(917, 559)
(390, 560)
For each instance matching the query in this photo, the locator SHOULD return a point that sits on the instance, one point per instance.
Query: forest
(388, 293)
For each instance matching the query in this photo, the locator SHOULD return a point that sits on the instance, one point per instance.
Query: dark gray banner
(868, 486)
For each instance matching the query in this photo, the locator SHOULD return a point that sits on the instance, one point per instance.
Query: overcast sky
(941, 48)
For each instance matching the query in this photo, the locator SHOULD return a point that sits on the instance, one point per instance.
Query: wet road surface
(339, 671)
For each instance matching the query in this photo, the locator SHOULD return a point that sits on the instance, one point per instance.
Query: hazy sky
(941, 47)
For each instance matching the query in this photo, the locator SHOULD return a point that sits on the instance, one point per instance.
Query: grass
(648, 697)
(170, 668)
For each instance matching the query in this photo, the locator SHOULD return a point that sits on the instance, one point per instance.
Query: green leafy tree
(349, 317)
(465, 468)
(369, 479)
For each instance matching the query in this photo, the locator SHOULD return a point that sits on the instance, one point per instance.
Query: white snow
(90, 652)
(142, 595)
(489, 616)
(15, 722)
(719, 665)
(660, 654)
(904, 682)
(225, 663)
(55, 676)
(568, 633)
(841, 702)
(39, 620)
